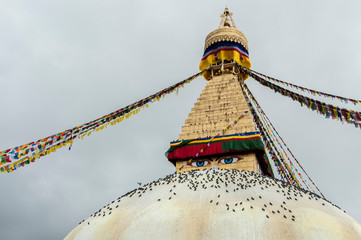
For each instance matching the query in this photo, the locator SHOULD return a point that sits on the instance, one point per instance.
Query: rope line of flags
(308, 90)
(14, 158)
(327, 110)
(283, 159)
(277, 147)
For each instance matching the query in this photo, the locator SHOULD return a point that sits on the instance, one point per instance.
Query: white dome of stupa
(218, 204)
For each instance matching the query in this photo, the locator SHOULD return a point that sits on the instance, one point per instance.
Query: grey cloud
(64, 63)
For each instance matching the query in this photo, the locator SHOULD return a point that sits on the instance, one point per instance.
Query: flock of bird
(233, 190)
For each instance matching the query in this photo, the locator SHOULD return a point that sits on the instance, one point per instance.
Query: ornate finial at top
(226, 43)
(225, 17)
(226, 32)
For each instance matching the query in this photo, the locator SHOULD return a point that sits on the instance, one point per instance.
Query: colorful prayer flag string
(328, 110)
(271, 130)
(308, 90)
(13, 158)
(273, 153)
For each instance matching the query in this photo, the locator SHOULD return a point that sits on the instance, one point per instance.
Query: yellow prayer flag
(335, 113)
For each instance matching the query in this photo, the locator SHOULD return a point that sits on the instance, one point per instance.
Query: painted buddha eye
(200, 163)
(229, 160)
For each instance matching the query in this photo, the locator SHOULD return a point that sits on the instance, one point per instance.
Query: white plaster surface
(218, 204)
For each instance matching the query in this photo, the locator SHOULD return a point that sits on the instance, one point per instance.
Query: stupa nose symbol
(214, 167)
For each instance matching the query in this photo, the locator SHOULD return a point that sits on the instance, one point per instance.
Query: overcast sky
(64, 63)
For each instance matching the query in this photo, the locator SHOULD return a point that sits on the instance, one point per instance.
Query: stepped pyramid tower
(224, 186)
(219, 105)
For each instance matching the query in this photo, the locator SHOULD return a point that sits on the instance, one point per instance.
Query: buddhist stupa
(224, 186)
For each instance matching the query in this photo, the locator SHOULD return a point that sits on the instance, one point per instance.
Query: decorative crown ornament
(226, 32)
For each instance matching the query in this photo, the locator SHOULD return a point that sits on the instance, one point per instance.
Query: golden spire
(221, 101)
(206, 141)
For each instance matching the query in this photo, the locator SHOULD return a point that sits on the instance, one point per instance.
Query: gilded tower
(219, 131)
